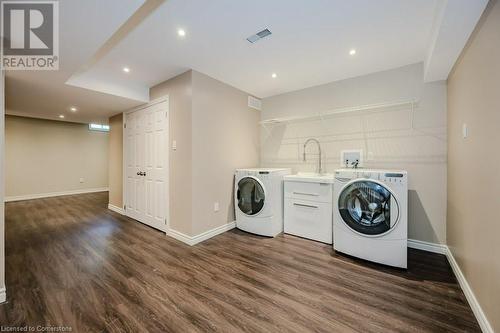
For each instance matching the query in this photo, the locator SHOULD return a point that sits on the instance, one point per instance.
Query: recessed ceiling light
(352, 52)
(274, 75)
(73, 109)
(126, 69)
(61, 116)
(181, 32)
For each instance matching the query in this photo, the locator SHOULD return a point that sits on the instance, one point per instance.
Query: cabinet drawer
(312, 220)
(318, 192)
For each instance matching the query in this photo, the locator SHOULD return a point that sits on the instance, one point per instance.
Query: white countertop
(311, 177)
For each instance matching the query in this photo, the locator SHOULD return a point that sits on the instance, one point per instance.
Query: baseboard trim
(54, 194)
(116, 209)
(427, 246)
(464, 285)
(193, 240)
(3, 295)
(469, 294)
(214, 232)
(179, 236)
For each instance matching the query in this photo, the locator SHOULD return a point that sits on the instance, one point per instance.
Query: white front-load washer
(258, 200)
(371, 216)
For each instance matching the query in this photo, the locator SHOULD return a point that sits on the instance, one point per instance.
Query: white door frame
(167, 158)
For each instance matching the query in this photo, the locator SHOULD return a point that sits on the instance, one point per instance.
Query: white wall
(46, 156)
(389, 137)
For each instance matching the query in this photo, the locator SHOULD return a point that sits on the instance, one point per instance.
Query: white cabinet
(318, 192)
(308, 210)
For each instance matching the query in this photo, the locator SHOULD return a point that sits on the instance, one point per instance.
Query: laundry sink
(311, 177)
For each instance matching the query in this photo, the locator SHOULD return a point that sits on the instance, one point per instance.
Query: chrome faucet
(320, 171)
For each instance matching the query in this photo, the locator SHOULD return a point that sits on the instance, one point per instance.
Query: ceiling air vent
(254, 103)
(261, 34)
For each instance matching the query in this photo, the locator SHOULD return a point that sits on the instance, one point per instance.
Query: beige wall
(225, 137)
(216, 133)
(473, 163)
(179, 90)
(2, 186)
(389, 137)
(45, 156)
(115, 167)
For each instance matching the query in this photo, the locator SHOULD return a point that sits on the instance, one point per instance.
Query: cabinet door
(155, 165)
(319, 192)
(312, 220)
(134, 164)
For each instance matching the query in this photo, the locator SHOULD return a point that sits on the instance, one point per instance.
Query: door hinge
(166, 114)
(124, 125)
(124, 207)
(165, 221)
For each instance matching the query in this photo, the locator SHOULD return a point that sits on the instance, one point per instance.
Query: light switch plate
(82, 180)
(465, 131)
(216, 207)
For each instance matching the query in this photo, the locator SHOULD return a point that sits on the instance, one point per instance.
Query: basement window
(99, 127)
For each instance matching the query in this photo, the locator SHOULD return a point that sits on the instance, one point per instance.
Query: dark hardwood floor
(72, 262)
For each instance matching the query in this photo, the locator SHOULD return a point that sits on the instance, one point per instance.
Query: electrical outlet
(82, 180)
(216, 207)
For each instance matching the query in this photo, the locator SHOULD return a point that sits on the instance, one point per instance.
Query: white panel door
(146, 165)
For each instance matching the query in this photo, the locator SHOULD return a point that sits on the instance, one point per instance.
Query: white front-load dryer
(258, 200)
(371, 216)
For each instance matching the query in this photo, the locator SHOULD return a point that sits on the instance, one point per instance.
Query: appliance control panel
(393, 177)
(388, 177)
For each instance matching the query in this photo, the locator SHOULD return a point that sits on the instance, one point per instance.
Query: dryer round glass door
(368, 207)
(250, 195)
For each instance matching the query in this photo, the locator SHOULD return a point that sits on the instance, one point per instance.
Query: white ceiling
(454, 22)
(309, 46)
(84, 26)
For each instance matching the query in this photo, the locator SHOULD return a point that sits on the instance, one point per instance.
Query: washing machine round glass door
(368, 207)
(251, 196)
